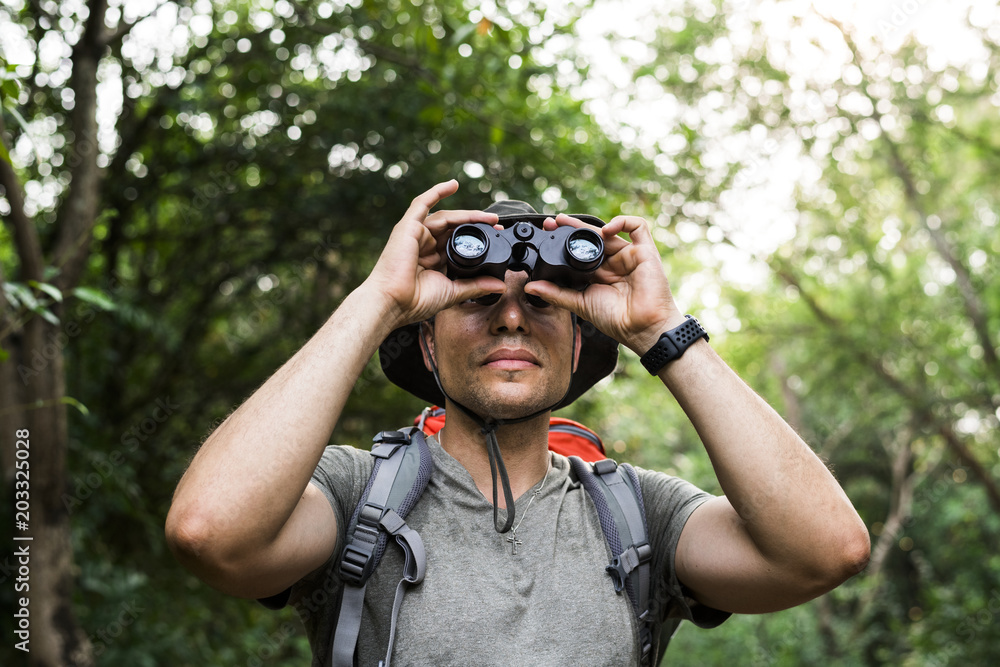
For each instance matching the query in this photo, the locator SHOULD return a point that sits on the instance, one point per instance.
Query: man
(247, 520)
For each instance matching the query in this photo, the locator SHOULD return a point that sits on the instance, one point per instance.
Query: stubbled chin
(503, 393)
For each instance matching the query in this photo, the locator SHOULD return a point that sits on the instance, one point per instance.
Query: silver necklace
(512, 538)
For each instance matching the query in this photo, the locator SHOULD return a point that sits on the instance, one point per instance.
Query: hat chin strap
(488, 426)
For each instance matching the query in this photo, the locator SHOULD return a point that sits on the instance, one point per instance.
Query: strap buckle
(645, 641)
(623, 565)
(391, 437)
(605, 466)
(386, 443)
(358, 552)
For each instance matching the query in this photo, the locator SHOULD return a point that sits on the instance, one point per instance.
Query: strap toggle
(622, 565)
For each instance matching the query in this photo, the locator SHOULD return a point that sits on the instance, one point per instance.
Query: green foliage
(255, 175)
(877, 334)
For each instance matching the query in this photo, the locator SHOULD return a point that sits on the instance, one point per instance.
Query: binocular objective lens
(469, 245)
(584, 248)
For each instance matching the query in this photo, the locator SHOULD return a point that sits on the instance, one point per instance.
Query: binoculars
(566, 256)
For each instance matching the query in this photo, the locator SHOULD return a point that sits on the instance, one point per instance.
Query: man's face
(505, 359)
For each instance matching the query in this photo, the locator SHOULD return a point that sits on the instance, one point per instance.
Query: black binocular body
(566, 256)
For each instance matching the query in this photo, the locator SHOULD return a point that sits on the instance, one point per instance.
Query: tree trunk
(32, 389)
(32, 379)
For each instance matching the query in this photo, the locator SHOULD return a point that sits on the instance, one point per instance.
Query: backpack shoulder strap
(616, 494)
(403, 466)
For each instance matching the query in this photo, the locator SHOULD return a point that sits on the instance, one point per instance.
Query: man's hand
(411, 269)
(629, 298)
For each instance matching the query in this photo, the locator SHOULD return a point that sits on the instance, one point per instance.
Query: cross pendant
(514, 544)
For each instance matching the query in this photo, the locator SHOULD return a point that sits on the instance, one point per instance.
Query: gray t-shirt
(550, 604)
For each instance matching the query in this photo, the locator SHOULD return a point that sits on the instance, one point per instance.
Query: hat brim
(538, 218)
(403, 363)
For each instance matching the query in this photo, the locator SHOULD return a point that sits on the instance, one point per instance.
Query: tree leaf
(95, 297)
(20, 293)
(51, 290)
(69, 400)
(11, 294)
(46, 314)
(10, 90)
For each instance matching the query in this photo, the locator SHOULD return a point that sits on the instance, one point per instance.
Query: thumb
(563, 297)
(473, 288)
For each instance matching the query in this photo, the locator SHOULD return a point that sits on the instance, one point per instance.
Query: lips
(507, 358)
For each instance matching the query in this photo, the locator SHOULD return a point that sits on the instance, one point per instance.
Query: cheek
(558, 343)
(454, 339)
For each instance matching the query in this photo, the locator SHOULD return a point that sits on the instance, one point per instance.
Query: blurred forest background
(188, 188)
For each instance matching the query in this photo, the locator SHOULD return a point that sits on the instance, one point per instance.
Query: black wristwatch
(672, 345)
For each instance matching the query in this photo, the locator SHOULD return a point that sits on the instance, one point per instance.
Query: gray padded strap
(636, 554)
(400, 474)
(348, 625)
(413, 569)
(382, 486)
(618, 499)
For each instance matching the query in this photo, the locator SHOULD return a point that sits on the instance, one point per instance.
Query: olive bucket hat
(403, 364)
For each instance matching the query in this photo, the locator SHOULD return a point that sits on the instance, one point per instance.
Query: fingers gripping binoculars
(566, 256)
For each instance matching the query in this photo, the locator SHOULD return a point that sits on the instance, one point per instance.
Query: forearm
(794, 510)
(248, 476)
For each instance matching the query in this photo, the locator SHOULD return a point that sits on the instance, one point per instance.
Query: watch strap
(672, 344)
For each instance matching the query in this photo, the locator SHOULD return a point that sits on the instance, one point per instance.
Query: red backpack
(566, 436)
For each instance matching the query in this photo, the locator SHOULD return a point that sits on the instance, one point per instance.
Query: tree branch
(919, 402)
(29, 250)
(974, 308)
(900, 507)
(78, 213)
(900, 504)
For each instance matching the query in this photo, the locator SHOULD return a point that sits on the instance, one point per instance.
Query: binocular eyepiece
(566, 256)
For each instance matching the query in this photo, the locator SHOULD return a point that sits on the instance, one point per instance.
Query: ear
(577, 343)
(427, 344)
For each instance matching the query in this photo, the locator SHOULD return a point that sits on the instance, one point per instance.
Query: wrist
(373, 302)
(641, 342)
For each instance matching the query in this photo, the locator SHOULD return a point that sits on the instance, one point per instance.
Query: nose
(508, 314)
